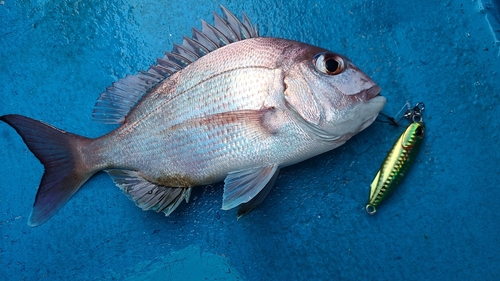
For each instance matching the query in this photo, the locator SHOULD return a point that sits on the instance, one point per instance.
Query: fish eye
(328, 63)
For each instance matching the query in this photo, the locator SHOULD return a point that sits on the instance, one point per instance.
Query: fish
(396, 164)
(224, 105)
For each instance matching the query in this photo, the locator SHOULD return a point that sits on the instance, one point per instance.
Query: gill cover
(300, 95)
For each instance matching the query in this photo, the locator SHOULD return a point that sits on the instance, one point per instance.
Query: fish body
(396, 165)
(225, 105)
(244, 103)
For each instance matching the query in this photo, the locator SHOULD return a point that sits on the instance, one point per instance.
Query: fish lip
(366, 123)
(367, 94)
(371, 92)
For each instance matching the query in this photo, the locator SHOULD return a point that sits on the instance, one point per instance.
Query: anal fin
(147, 195)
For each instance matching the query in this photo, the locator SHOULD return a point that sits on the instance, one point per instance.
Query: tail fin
(58, 151)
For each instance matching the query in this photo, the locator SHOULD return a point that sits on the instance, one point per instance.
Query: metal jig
(399, 159)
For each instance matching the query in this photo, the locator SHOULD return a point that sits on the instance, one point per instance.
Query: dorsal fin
(119, 99)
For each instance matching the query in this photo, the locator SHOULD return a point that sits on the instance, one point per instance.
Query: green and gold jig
(398, 160)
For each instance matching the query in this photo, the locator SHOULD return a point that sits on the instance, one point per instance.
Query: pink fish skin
(225, 105)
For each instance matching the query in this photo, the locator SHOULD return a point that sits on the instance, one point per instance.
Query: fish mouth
(373, 103)
(366, 124)
(370, 93)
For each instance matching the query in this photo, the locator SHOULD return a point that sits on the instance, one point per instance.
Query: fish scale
(238, 144)
(248, 81)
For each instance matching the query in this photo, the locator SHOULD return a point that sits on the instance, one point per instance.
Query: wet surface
(440, 223)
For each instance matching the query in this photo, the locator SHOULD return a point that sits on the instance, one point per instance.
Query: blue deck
(56, 57)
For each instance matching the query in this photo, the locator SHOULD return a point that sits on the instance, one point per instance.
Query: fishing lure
(398, 160)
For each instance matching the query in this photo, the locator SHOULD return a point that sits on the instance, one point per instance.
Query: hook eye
(417, 117)
(419, 107)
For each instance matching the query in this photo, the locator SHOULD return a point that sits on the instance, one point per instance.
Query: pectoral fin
(147, 195)
(242, 187)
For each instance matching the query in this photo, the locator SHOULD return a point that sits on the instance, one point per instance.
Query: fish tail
(59, 152)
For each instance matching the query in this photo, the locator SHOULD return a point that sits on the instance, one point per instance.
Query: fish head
(330, 95)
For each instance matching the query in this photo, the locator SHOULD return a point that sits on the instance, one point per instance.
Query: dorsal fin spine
(252, 30)
(178, 59)
(168, 64)
(214, 34)
(224, 26)
(178, 49)
(204, 40)
(119, 99)
(235, 24)
(160, 70)
(194, 46)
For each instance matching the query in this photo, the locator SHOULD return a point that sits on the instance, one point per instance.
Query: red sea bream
(225, 105)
